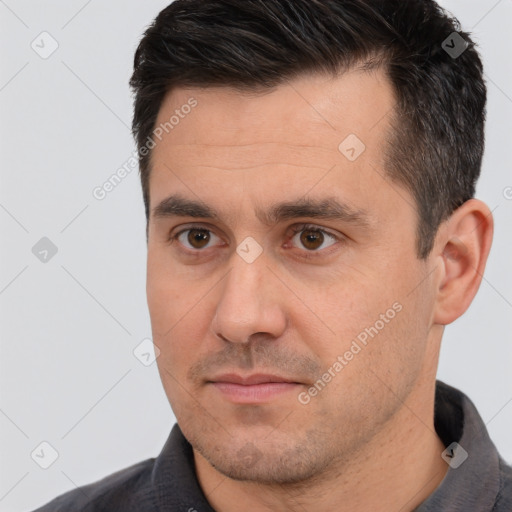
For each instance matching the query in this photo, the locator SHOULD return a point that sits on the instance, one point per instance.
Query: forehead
(299, 137)
(313, 110)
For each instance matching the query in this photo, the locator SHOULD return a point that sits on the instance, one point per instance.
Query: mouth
(252, 389)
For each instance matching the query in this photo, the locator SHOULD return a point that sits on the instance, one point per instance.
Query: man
(308, 169)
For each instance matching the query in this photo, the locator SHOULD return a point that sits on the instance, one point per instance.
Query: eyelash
(294, 230)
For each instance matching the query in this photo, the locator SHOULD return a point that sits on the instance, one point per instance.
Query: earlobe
(463, 248)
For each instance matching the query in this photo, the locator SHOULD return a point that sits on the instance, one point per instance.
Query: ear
(462, 246)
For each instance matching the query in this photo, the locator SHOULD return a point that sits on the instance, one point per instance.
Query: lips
(253, 389)
(251, 379)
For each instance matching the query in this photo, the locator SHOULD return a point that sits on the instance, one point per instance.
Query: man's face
(340, 305)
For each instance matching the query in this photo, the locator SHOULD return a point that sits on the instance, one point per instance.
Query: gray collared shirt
(478, 479)
(478, 482)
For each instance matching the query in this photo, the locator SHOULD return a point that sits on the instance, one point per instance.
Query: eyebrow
(329, 208)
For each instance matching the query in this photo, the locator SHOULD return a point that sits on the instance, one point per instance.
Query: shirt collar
(474, 484)
(174, 478)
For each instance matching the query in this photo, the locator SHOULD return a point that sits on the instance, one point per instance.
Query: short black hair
(436, 143)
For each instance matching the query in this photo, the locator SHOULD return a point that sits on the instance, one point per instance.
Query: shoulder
(504, 498)
(125, 490)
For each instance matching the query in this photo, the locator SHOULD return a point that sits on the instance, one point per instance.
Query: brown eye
(195, 238)
(312, 238)
(198, 238)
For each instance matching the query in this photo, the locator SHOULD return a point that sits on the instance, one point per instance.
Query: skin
(366, 441)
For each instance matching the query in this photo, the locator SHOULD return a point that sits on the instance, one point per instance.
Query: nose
(250, 303)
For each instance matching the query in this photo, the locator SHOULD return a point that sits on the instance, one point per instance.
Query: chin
(265, 463)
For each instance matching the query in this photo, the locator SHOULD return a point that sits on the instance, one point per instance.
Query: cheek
(374, 376)
(179, 321)
(396, 348)
(380, 327)
(167, 292)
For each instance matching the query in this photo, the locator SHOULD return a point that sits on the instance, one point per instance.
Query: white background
(69, 326)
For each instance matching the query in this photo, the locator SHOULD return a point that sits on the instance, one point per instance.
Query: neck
(397, 470)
